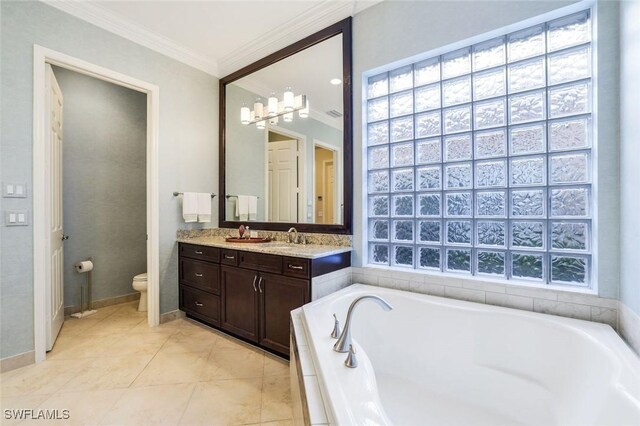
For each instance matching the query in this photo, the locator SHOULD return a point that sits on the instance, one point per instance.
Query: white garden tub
(436, 361)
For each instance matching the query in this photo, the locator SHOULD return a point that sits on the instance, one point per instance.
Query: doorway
(325, 162)
(285, 175)
(102, 164)
(45, 214)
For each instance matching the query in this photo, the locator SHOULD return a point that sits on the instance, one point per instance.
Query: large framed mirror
(286, 138)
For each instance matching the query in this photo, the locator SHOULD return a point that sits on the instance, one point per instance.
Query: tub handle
(351, 361)
(336, 327)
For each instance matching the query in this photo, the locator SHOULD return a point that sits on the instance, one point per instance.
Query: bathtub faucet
(344, 341)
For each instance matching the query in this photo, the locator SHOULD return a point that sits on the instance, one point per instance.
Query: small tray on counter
(247, 240)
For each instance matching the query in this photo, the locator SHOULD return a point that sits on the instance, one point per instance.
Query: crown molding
(116, 24)
(313, 20)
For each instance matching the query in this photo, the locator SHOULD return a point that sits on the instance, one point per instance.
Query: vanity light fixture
(335, 81)
(272, 104)
(273, 109)
(304, 112)
(258, 109)
(288, 99)
(245, 115)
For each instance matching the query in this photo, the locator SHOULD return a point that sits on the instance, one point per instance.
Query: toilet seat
(140, 277)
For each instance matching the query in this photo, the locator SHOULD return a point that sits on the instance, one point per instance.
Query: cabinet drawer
(229, 257)
(261, 262)
(296, 267)
(203, 275)
(211, 254)
(200, 303)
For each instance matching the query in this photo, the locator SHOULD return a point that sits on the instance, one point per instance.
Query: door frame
(337, 167)
(302, 168)
(41, 170)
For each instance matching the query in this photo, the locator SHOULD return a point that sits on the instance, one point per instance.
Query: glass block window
(479, 160)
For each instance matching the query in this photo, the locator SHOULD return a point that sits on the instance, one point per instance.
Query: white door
(283, 181)
(55, 293)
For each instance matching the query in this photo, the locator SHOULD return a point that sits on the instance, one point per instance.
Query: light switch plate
(16, 218)
(14, 190)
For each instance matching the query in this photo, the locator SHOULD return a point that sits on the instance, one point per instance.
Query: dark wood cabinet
(248, 294)
(240, 302)
(278, 297)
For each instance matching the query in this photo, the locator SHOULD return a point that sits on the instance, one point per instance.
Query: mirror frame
(343, 27)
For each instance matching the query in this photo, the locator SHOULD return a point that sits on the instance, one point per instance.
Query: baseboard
(17, 361)
(629, 323)
(170, 316)
(97, 304)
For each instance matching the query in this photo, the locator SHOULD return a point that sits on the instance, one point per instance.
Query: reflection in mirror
(284, 140)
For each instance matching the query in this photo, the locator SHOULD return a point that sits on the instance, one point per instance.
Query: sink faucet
(344, 341)
(295, 235)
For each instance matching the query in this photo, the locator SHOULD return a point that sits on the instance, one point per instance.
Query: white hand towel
(204, 207)
(243, 207)
(253, 207)
(190, 206)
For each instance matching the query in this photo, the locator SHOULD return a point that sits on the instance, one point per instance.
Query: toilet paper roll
(85, 266)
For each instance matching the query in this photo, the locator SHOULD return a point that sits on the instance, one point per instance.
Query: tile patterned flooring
(112, 369)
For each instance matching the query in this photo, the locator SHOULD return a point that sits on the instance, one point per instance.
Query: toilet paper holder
(81, 268)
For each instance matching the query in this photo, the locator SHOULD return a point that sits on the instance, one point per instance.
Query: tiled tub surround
(548, 301)
(590, 356)
(312, 239)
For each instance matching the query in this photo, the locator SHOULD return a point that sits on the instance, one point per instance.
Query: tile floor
(112, 369)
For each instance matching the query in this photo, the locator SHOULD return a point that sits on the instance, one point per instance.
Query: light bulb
(272, 104)
(260, 125)
(258, 109)
(273, 120)
(288, 99)
(288, 117)
(304, 112)
(245, 115)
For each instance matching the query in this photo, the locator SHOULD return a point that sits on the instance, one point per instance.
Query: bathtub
(437, 361)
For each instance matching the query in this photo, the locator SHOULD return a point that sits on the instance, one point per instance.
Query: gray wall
(393, 31)
(188, 148)
(245, 150)
(630, 155)
(105, 184)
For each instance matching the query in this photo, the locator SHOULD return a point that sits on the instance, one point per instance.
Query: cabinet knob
(199, 304)
(198, 252)
(260, 284)
(295, 267)
(198, 274)
(226, 256)
(254, 283)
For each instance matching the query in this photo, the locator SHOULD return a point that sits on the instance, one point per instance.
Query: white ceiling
(218, 37)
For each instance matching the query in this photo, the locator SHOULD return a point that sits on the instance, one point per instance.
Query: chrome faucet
(344, 341)
(295, 235)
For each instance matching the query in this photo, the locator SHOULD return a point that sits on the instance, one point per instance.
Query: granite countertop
(308, 251)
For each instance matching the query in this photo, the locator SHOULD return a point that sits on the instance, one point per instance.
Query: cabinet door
(239, 302)
(279, 295)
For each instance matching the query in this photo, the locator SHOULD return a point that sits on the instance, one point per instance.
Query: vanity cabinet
(249, 294)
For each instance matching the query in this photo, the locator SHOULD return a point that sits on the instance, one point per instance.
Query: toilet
(140, 284)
